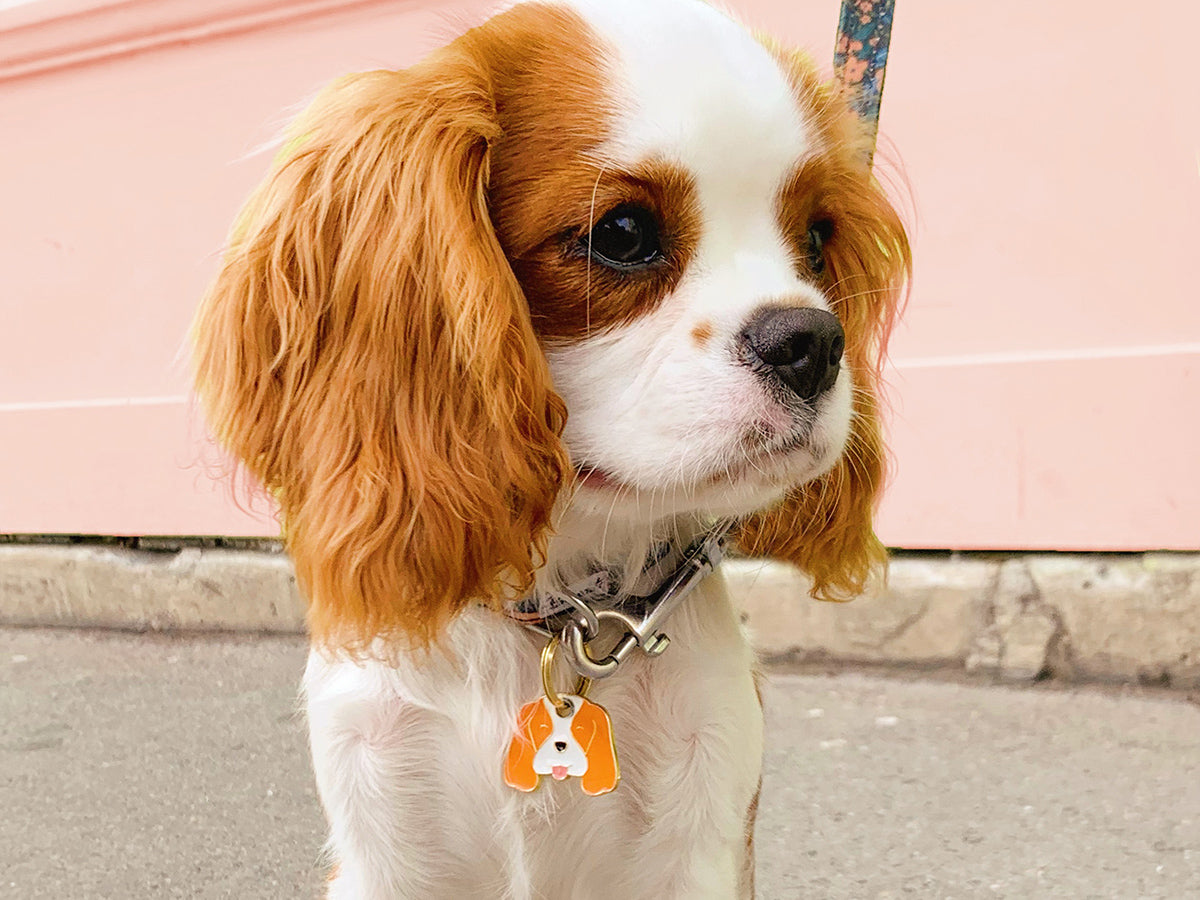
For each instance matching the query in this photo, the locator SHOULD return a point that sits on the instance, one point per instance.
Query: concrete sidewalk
(158, 767)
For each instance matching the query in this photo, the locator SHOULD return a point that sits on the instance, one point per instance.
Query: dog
(524, 322)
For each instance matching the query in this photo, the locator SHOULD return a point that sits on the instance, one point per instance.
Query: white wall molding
(49, 35)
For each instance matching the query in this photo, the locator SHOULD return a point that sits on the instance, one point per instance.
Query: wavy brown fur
(367, 353)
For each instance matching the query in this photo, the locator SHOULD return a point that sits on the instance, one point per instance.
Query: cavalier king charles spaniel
(536, 312)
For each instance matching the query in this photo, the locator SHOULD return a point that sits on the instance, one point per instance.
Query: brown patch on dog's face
(808, 200)
(548, 188)
(702, 334)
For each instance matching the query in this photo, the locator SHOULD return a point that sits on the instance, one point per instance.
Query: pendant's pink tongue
(559, 772)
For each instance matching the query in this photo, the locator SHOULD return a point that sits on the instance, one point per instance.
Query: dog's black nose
(560, 746)
(800, 347)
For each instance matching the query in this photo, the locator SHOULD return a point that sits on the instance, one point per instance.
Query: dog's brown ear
(825, 526)
(367, 353)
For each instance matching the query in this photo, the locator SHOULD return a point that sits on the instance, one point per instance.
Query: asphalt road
(152, 767)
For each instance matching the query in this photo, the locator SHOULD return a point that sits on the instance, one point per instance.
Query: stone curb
(1132, 618)
(1129, 618)
(184, 588)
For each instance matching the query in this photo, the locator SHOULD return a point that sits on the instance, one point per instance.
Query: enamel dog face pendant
(572, 740)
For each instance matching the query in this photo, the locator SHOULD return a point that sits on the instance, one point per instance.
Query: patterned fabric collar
(602, 589)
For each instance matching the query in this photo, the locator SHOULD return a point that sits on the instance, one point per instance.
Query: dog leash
(860, 58)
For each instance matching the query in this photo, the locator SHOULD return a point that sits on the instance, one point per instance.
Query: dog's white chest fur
(425, 742)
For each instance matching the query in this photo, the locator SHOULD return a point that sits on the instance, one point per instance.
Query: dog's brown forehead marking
(550, 181)
(548, 82)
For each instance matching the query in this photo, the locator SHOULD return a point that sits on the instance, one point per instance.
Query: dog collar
(548, 608)
(577, 612)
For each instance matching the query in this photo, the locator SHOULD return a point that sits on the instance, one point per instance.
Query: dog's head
(614, 254)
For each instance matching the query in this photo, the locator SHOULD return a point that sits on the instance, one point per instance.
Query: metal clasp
(646, 633)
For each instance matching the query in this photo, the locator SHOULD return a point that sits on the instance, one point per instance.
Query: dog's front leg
(414, 810)
(701, 803)
(694, 759)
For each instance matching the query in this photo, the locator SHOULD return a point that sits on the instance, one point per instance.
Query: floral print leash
(861, 53)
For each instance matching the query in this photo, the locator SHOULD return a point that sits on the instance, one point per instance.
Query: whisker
(591, 223)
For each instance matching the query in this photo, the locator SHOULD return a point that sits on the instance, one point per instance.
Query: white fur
(408, 756)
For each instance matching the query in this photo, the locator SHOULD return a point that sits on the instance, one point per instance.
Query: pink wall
(1045, 380)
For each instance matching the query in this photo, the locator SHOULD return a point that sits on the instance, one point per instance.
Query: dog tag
(570, 740)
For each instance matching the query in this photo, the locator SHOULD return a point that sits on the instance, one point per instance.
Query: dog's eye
(818, 233)
(625, 237)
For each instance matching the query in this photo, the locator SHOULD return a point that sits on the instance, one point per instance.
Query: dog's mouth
(590, 476)
(558, 773)
(764, 459)
(754, 457)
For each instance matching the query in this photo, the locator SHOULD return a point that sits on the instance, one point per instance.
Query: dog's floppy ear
(367, 353)
(825, 526)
